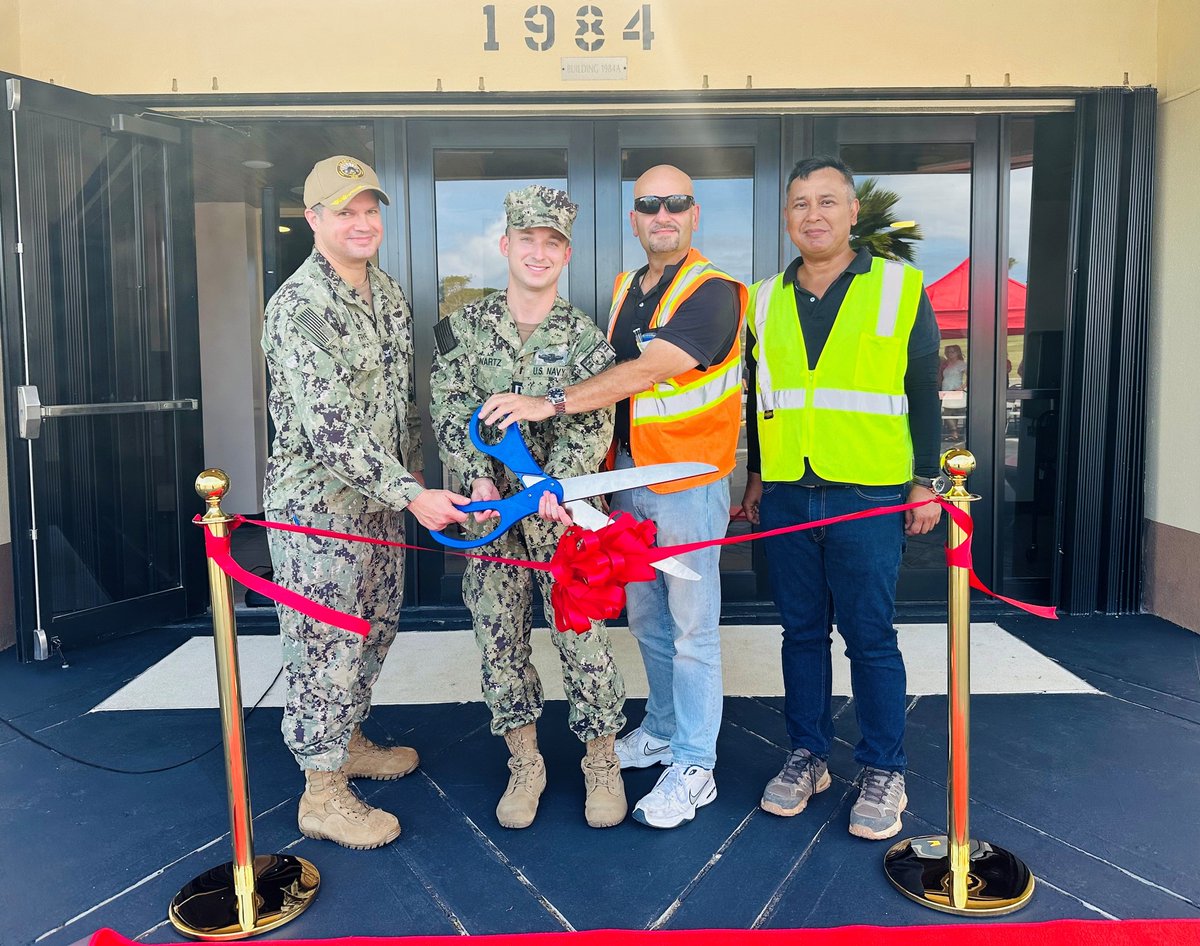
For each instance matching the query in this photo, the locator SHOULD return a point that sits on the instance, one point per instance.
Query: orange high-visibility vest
(695, 415)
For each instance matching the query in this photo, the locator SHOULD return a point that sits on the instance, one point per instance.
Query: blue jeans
(677, 622)
(848, 570)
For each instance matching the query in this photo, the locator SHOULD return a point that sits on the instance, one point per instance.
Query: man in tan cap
(346, 457)
(527, 337)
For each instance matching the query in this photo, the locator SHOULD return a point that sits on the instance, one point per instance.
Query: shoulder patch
(443, 336)
(315, 328)
(599, 358)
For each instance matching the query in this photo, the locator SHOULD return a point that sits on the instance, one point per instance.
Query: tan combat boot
(519, 804)
(364, 759)
(605, 805)
(329, 810)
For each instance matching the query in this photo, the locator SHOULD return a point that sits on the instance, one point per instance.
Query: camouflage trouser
(500, 598)
(329, 672)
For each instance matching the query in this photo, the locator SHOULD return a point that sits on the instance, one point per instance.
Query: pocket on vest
(877, 367)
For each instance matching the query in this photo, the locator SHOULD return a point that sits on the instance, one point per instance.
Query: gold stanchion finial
(951, 872)
(211, 486)
(249, 894)
(958, 464)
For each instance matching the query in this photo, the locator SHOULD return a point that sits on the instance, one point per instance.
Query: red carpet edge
(1055, 933)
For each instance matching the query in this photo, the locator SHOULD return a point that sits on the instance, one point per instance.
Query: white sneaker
(675, 797)
(639, 750)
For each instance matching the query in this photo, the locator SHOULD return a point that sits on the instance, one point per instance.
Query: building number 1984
(589, 28)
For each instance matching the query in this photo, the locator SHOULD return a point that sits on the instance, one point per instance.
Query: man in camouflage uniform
(346, 457)
(529, 338)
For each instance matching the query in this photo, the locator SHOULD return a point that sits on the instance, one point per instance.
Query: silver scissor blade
(612, 481)
(592, 518)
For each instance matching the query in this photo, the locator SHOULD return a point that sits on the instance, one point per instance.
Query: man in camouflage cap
(347, 457)
(527, 337)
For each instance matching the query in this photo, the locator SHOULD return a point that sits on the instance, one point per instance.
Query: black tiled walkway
(1097, 793)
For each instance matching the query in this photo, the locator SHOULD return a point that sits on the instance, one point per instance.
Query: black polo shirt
(817, 315)
(704, 326)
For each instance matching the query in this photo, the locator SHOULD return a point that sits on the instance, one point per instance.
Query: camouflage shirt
(342, 394)
(479, 353)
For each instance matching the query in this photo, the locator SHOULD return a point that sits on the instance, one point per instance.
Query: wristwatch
(939, 484)
(558, 398)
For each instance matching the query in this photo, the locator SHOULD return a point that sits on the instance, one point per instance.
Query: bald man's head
(663, 179)
(664, 234)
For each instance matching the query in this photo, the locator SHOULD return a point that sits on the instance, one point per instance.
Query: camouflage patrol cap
(540, 206)
(335, 180)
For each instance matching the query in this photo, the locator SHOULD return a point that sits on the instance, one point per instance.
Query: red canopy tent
(950, 297)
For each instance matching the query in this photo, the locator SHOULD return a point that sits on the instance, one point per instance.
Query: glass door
(734, 164)
(1040, 161)
(103, 369)
(928, 192)
(459, 173)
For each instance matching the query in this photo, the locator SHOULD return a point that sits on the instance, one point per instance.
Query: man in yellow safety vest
(842, 416)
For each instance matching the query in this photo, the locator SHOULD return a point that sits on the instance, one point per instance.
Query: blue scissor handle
(512, 510)
(510, 449)
(512, 452)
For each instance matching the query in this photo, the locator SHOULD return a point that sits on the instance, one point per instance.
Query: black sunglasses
(676, 203)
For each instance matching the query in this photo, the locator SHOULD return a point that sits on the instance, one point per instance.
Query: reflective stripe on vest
(696, 414)
(764, 292)
(669, 401)
(848, 416)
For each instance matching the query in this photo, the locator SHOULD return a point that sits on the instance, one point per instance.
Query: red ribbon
(218, 550)
(959, 555)
(590, 569)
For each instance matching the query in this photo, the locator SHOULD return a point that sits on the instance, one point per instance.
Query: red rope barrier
(590, 569)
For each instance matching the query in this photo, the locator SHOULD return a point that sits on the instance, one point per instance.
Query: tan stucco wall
(10, 36)
(1172, 533)
(281, 45)
(1173, 447)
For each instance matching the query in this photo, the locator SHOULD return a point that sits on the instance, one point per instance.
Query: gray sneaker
(802, 776)
(876, 814)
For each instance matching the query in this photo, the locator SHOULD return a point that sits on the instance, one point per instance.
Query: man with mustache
(675, 325)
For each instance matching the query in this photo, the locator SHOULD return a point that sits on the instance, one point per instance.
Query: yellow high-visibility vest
(849, 415)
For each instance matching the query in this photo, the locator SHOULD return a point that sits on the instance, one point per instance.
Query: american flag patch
(314, 328)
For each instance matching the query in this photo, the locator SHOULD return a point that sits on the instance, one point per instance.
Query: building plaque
(595, 69)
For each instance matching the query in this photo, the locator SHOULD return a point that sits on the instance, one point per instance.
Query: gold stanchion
(250, 894)
(951, 872)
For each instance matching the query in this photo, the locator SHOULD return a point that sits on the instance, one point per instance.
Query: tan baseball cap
(335, 180)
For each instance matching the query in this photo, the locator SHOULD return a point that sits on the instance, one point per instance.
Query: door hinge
(19, 248)
(13, 87)
(33, 534)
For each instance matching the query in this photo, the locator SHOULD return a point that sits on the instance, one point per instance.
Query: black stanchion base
(207, 907)
(998, 883)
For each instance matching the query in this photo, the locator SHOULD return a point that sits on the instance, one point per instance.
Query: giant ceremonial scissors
(512, 452)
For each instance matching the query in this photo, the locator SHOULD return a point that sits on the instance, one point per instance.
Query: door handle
(31, 411)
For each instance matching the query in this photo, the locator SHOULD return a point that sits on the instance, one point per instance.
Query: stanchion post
(250, 894)
(953, 873)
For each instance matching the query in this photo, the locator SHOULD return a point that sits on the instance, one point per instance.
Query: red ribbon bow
(591, 569)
